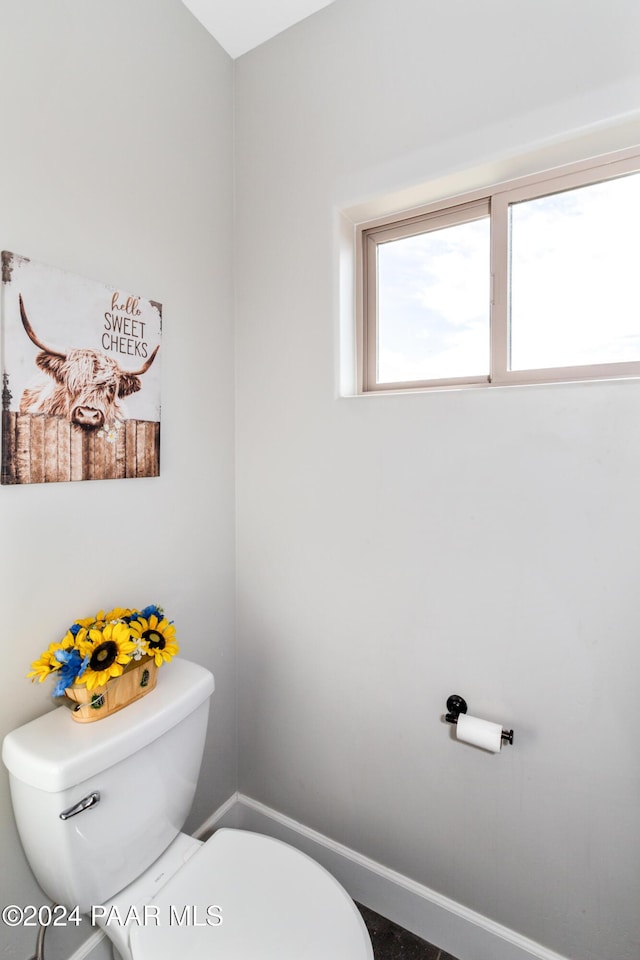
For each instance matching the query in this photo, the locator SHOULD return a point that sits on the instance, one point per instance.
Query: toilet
(100, 808)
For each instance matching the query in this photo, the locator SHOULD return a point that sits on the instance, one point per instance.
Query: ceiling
(240, 25)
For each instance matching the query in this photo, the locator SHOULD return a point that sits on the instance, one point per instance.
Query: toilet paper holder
(457, 705)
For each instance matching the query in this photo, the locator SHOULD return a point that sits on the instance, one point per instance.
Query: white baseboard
(227, 815)
(90, 947)
(449, 925)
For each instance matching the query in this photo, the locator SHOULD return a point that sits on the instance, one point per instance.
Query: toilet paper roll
(480, 733)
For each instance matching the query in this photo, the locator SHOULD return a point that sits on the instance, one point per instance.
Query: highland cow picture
(81, 377)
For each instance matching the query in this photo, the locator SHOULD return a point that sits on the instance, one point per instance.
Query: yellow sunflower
(76, 633)
(98, 622)
(46, 664)
(118, 613)
(159, 636)
(87, 638)
(109, 652)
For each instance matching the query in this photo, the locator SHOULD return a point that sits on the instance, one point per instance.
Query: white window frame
(493, 201)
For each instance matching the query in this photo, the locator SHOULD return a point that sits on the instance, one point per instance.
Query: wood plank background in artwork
(38, 448)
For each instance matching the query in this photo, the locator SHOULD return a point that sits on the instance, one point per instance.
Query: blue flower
(150, 611)
(73, 666)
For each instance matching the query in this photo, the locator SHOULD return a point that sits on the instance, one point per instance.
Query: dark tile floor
(391, 942)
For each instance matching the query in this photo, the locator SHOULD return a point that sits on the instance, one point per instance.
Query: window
(535, 280)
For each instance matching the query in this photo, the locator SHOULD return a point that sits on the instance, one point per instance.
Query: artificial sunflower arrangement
(96, 649)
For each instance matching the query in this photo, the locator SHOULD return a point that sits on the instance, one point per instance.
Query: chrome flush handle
(89, 801)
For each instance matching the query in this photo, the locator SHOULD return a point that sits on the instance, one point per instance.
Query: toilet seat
(273, 903)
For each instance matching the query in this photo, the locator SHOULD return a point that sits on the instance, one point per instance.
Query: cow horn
(27, 326)
(145, 366)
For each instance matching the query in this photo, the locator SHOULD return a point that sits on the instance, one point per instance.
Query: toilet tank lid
(53, 752)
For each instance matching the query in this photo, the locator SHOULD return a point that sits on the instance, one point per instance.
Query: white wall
(393, 550)
(116, 164)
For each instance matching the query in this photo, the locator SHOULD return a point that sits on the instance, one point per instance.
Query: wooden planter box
(138, 679)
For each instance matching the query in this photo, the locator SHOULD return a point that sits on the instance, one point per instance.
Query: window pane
(433, 304)
(574, 289)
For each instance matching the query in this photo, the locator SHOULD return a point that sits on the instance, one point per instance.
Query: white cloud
(576, 299)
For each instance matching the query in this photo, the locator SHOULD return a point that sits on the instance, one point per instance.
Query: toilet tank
(143, 762)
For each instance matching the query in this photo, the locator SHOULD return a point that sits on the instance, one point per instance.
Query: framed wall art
(80, 377)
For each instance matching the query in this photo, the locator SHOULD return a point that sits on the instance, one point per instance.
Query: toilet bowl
(124, 786)
(243, 896)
